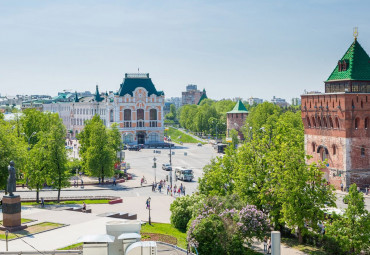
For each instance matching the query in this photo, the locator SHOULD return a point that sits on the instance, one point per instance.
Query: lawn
(76, 246)
(291, 242)
(165, 229)
(185, 138)
(68, 202)
(34, 229)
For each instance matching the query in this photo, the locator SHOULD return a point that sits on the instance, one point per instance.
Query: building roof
(357, 65)
(133, 81)
(239, 108)
(204, 96)
(98, 98)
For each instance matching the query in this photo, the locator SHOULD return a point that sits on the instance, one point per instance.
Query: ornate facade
(137, 108)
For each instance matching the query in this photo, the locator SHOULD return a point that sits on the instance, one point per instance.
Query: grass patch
(76, 246)
(34, 229)
(23, 221)
(309, 249)
(87, 201)
(185, 138)
(165, 229)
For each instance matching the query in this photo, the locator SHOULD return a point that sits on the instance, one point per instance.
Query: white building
(279, 101)
(137, 108)
(253, 100)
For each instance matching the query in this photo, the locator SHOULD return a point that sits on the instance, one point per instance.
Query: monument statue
(11, 187)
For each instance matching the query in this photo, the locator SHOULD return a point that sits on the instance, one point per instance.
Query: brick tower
(336, 123)
(236, 119)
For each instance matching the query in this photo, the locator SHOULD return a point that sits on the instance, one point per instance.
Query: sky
(232, 48)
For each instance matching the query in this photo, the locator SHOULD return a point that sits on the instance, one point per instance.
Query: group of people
(75, 183)
(158, 185)
(176, 190)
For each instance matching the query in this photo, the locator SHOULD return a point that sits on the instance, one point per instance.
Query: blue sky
(230, 48)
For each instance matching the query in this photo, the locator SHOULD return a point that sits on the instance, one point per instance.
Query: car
(166, 167)
(199, 144)
(134, 148)
(141, 146)
(124, 147)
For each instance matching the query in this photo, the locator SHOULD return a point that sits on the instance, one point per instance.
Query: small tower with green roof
(204, 96)
(236, 119)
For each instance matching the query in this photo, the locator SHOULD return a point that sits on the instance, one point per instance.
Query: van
(184, 174)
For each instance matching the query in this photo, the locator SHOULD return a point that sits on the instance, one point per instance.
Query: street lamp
(148, 206)
(6, 238)
(155, 169)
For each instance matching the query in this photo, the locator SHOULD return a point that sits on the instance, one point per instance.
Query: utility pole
(171, 165)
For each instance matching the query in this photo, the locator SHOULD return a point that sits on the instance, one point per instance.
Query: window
(337, 122)
(323, 154)
(334, 149)
(362, 151)
(366, 122)
(111, 115)
(325, 124)
(128, 138)
(153, 137)
(308, 122)
(313, 122)
(153, 114)
(357, 122)
(331, 122)
(140, 114)
(319, 122)
(313, 147)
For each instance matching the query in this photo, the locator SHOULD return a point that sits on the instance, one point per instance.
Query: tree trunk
(37, 195)
(300, 238)
(59, 194)
(102, 175)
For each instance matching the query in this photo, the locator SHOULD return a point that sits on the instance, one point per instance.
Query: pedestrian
(168, 187)
(42, 202)
(269, 246)
(84, 207)
(160, 188)
(74, 183)
(341, 186)
(367, 191)
(99, 180)
(82, 183)
(265, 244)
(183, 190)
(114, 181)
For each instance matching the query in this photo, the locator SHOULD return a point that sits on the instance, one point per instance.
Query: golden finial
(355, 32)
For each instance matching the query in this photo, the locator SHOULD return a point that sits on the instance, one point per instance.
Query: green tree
(172, 114)
(56, 157)
(182, 210)
(115, 137)
(352, 229)
(98, 154)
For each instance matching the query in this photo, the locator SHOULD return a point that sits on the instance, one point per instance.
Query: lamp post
(148, 205)
(6, 238)
(155, 169)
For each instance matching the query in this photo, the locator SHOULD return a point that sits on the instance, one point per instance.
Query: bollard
(275, 243)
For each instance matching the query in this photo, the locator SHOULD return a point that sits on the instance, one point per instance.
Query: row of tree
(35, 141)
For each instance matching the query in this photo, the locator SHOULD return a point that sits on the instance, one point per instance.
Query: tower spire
(355, 33)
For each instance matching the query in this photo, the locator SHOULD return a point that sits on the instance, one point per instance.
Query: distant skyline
(231, 48)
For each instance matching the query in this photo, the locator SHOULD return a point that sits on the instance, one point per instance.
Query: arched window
(313, 122)
(111, 115)
(128, 138)
(153, 117)
(337, 123)
(331, 122)
(140, 114)
(324, 124)
(323, 154)
(140, 117)
(308, 122)
(319, 122)
(127, 118)
(357, 122)
(362, 151)
(313, 147)
(334, 149)
(366, 122)
(153, 114)
(153, 137)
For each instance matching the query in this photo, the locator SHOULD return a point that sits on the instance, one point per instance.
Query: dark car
(124, 147)
(141, 146)
(134, 148)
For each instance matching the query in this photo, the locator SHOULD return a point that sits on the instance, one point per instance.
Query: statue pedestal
(12, 213)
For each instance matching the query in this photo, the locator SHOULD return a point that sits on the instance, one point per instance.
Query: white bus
(184, 174)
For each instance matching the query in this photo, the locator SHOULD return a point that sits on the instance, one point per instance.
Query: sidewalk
(284, 249)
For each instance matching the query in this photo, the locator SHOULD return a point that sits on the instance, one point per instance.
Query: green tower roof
(356, 62)
(76, 97)
(204, 96)
(239, 108)
(133, 81)
(98, 98)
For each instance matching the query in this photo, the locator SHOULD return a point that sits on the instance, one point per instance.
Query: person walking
(341, 187)
(114, 181)
(367, 191)
(82, 183)
(168, 189)
(183, 190)
(269, 246)
(265, 244)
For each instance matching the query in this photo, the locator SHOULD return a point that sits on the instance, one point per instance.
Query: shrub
(182, 210)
